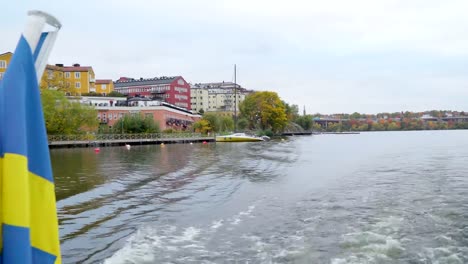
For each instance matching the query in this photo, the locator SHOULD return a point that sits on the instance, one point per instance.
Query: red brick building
(165, 115)
(174, 90)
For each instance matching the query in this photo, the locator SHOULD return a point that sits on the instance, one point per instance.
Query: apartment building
(217, 96)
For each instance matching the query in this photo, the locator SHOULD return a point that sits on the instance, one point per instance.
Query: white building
(217, 97)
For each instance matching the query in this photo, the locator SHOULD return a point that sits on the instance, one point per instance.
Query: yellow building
(5, 59)
(75, 80)
(104, 87)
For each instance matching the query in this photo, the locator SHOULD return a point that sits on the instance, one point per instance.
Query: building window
(1, 75)
(3, 64)
(77, 75)
(103, 87)
(77, 85)
(67, 75)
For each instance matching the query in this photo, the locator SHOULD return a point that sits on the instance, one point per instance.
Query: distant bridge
(324, 122)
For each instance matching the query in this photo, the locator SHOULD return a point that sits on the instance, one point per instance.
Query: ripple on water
(370, 198)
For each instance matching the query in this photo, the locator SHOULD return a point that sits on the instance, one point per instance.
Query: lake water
(387, 197)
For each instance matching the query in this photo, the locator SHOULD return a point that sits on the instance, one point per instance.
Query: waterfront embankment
(68, 141)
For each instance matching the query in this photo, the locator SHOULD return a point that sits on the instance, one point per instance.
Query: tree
(136, 124)
(378, 127)
(393, 126)
(292, 111)
(334, 127)
(316, 127)
(305, 122)
(115, 94)
(355, 115)
(226, 123)
(202, 126)
(92, 94)
(214, 121)
(242, 123)
(264, 110)
(65, 117)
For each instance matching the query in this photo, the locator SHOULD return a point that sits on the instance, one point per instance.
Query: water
(396, 197)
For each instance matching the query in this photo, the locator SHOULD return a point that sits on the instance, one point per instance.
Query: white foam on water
(236, 221)
(146, 242)
(217, 224)
(238, 218)
(442, 255)
(136, 250)
(189, 234)
(376, 245)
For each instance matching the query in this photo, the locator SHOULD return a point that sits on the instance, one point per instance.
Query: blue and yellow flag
(29, 232)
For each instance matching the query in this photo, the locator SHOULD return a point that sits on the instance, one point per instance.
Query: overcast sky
(329, 56)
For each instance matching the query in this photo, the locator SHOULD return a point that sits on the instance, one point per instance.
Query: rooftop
(103, 81)
(125, 81)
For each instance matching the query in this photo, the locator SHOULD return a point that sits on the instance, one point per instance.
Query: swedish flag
(29, 231)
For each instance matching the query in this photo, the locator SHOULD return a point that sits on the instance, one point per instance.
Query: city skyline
(333, 57)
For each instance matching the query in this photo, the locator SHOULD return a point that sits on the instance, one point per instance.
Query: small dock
(304, 133)
(71, 141)
(338, 133)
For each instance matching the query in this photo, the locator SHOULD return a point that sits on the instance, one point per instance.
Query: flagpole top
(51, 20)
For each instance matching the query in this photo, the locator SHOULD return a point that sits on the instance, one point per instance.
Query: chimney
(59, 65)
(76, 65)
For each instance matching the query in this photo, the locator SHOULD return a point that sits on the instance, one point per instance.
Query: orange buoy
(97, 150)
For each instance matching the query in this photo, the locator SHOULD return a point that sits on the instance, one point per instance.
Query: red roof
(103, 81)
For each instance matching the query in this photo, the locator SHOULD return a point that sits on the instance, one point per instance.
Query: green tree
(65, 117)
(355, 115)
(92, 94)
(316, 127)
(377, 127)
(115, 94)
(226, 123)
(363, 127)
(334, 127)
(305, 122)
(292, 111)
(264, 110)
(393, 126)
(242, 123)
(214, 121)
(136, 124)
(202, 126)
